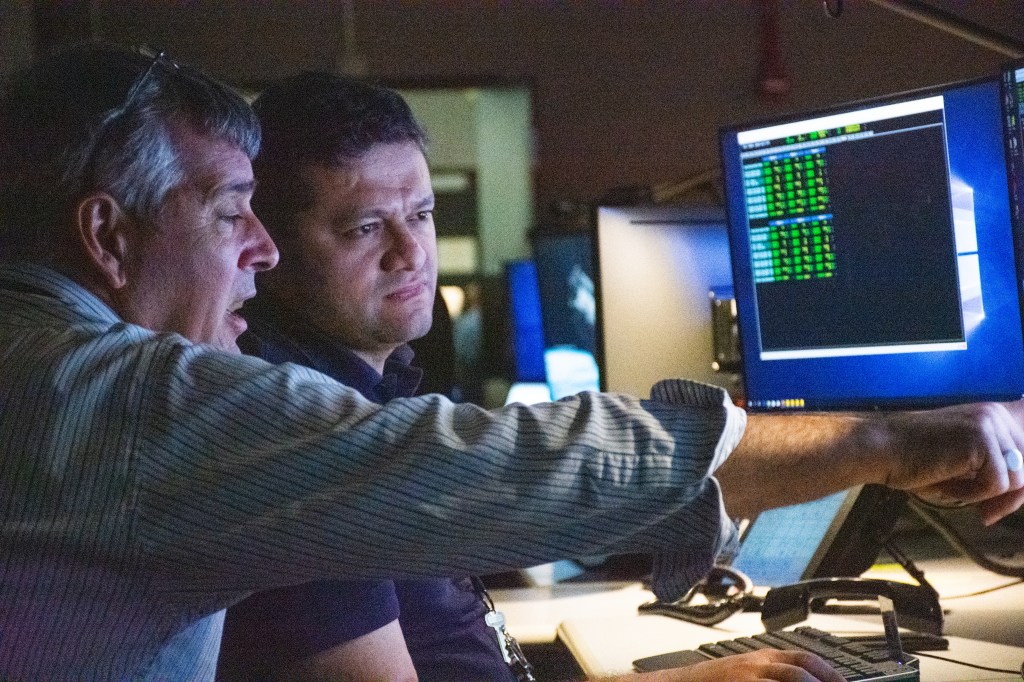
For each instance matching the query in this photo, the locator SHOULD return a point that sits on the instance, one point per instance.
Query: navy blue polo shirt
(442, 618)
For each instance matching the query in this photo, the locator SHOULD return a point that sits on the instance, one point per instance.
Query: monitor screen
(565, 274)
(655, 269)
(838, 535)
(783, 546)
(873, 259)
(525, 321)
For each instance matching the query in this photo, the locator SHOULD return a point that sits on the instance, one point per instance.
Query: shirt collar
(278, 337)
(71, 300)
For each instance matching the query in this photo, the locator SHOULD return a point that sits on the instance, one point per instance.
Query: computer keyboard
(856, 661)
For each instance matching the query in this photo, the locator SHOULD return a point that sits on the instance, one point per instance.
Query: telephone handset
(917, 606)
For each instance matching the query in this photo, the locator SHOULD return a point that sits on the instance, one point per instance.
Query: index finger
(1000, 507)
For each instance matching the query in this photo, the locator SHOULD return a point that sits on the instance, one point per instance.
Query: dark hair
(94, 118)
(320, 119)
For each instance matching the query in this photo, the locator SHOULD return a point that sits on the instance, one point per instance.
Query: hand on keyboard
(847, 660)
(765, 664)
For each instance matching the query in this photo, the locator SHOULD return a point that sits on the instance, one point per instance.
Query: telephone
(917, 606)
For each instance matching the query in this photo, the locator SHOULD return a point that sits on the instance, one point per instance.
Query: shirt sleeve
(253, 475)
(674, 572)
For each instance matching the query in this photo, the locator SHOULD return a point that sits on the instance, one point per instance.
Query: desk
(533, 614)
(610, 645)
(600, 625)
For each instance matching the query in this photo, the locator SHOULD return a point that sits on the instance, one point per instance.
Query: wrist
(876, 440)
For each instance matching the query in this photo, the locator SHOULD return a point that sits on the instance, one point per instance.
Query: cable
(726, 589)
(950, 535)
(985, 591)
(944, 21)
(909, 566)
(969, 665)
(952, 24)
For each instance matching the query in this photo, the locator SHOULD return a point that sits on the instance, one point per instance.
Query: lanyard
(510, 649)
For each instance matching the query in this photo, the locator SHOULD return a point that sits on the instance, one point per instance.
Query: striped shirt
(147, 482)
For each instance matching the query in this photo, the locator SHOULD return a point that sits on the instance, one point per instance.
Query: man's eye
(424, 215)
(361, 230)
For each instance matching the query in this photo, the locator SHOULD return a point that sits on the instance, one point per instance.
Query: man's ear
(104, 233)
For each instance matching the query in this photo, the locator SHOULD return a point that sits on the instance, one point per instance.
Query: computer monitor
(873, 254)
(838, 535)
(565, 274)
(655, 268)
(525, 321)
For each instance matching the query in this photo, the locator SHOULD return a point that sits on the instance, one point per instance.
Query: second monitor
(655, 268)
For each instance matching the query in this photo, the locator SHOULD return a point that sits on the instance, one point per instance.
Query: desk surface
(602, 628)
(610, 645)
(534, 613)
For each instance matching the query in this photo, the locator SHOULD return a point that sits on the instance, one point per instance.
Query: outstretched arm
(951, 455)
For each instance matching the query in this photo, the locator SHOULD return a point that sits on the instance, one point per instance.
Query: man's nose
(261, 252)
(405, 251)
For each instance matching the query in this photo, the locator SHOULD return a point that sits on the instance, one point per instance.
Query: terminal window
(789, 192)
(859, 244)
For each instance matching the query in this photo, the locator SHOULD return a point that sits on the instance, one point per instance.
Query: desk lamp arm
(944, 21)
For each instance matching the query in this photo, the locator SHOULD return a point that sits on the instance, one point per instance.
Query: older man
(152, 476)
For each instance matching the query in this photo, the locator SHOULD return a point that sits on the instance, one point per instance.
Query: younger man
(346, 195)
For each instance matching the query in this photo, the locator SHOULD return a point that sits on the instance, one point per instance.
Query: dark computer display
(565, 274)
(1013, 111)
(527, 325)
(873, 253)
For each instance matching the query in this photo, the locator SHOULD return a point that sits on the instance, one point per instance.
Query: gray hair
(97, 118)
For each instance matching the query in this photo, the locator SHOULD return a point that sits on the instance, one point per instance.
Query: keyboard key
(752, 643)
(716, 650)
(735, 646)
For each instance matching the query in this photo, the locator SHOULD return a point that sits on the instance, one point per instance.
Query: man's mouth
(408, 291)
(237, 304)
(234, 313)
